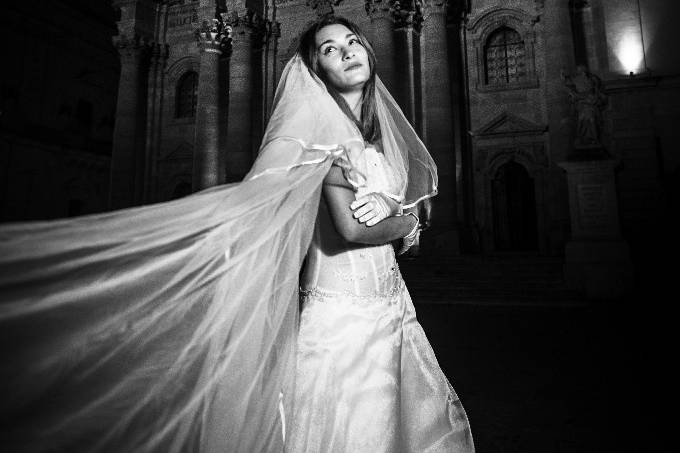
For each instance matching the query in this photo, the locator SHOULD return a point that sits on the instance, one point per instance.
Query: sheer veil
(171, 327)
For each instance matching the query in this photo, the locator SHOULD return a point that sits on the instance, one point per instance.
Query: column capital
(250, 26)
(402, 13)
(131, 48)
(407, 14)
(431, 7)
(214, 36)
(379, 9)
(323, 7)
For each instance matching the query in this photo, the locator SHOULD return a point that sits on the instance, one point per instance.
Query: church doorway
(514, 209)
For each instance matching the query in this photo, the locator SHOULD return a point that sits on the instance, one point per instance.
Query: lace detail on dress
(389, 297)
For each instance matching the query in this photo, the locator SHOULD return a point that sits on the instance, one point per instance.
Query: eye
(328, 49)
(354, 41)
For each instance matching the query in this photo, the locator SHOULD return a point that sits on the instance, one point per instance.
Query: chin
(357, 79)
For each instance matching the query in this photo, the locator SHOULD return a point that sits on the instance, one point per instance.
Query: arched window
(504, 58)
(185, 100)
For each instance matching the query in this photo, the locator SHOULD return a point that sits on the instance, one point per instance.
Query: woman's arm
(339, 194)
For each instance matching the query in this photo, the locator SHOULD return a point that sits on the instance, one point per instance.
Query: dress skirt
(368, 381)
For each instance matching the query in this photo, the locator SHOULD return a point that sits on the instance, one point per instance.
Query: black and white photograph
(338, 226)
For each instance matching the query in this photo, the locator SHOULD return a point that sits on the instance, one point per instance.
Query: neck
(354, 101)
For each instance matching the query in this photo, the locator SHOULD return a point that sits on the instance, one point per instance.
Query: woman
(172, 327)
(367, 379)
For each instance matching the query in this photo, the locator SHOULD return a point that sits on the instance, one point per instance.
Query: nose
(347, 53)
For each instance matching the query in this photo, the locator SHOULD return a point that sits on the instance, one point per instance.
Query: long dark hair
(368, 125)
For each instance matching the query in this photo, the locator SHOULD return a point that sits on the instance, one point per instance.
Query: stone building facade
(491, 86)
(484, 82)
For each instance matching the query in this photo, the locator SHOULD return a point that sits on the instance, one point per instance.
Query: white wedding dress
(367, 379)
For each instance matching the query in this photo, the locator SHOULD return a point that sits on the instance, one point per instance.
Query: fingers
(371, 215)
(370, 209)
(373, 221)
(360, 202)
(363, 210)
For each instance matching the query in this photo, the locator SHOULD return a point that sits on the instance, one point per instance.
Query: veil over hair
(171, 327)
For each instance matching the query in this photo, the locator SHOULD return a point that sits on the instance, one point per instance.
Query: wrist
(416, 224)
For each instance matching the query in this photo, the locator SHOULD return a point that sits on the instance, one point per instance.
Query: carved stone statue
(589, 99)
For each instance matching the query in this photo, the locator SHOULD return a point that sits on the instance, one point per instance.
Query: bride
(367, 379)
(177, 327)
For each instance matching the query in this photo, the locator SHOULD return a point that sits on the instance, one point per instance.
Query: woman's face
(342, 57)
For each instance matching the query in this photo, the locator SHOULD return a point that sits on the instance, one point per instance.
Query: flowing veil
(171, 327)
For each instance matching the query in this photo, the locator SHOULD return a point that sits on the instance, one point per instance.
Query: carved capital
(131, 48)
(403, 13)
(247, 25)
(431, 7)
(408, 14)
(378, 9)
(323, 7)
(214, 36)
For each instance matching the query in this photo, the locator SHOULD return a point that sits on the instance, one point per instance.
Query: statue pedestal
(597, 259)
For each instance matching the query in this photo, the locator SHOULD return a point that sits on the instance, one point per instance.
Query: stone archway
(513, 200)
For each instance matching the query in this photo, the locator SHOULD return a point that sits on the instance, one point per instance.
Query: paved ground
(551, 378)
(533, 379)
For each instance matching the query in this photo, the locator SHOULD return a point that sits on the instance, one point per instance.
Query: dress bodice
(335, 265)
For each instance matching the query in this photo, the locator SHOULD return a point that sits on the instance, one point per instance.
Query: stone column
(439, 121)
(407, 23)
(239, 152)
(382, 38)
(208, 169)
(127, 157)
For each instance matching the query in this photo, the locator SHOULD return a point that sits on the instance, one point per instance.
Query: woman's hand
(374, 207)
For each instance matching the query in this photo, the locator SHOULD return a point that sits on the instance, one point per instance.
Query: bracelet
(415, 228)
(400, 209)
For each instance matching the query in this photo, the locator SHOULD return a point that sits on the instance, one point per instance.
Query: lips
(353, 66)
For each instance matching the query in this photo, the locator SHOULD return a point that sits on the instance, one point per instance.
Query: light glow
(630, 53)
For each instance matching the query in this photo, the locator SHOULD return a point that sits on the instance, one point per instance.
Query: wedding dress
(173, 327)
(367, 379)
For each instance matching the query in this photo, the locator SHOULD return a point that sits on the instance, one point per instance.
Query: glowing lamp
(630, 53)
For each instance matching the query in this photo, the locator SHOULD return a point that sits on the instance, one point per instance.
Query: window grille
(505, 59)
